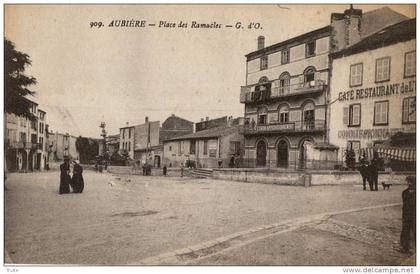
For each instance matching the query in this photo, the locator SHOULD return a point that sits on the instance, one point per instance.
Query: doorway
(261, 154)
(282, 154)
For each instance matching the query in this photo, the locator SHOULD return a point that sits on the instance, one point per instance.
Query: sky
(121, 75)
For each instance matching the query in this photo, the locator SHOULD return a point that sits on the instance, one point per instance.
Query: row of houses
(307, 100)
(30, 145)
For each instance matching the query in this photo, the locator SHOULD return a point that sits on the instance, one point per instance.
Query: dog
(386, 185)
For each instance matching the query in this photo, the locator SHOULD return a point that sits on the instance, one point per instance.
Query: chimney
(261, 42)
(346, 28)
(146, 119)
(202, 119)
(207, 118)
(126, 123)
(173, 115)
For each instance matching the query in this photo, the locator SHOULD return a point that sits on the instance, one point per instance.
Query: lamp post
(104, 151)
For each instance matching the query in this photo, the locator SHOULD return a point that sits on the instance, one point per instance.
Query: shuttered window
(410, 64)
(409, 110)
(356, 75)
(346, 116)
(381, 113)
(383, 67)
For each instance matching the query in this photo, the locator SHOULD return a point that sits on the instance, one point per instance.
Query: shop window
(410, 64)
(409, 110)
(356, 75)
(310, 49)
(263, 62)
(383, 67)
(353, 145)
(381, 113)
(285, 56)
(235, 148)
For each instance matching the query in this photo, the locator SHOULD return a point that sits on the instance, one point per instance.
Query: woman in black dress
(65, 178)
(77, 179)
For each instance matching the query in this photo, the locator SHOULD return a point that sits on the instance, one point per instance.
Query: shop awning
(401, 154)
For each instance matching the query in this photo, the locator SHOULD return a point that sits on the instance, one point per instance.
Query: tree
(16, 82)
(88, 149)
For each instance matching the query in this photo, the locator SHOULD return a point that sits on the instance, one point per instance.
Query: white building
(373, 89)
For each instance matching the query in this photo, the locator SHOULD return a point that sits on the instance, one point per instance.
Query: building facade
(286, 96)
(144, 142)
(60, 146)
(208, 148)
(373, 89)
(25, 140)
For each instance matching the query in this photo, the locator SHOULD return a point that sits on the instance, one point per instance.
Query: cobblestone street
(133, 220)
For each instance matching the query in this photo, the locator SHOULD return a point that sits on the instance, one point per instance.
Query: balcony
(291, 127)
(273, 90)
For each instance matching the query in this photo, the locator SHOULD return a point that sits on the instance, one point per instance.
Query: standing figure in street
(165, 169)
(408, 214)
(373, 171)
(182, 169)
(77, 179)
(363, 169)
(65, 179)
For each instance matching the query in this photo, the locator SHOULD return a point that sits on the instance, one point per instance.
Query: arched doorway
(282, 154)
(261, 153)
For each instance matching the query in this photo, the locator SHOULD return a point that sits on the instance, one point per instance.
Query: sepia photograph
(210, 135)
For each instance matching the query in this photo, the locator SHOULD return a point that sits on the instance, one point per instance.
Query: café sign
(378, 91)
(376, 133)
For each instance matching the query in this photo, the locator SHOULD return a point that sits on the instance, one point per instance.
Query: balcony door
(261, 153)
(282, 154)
(309, 116)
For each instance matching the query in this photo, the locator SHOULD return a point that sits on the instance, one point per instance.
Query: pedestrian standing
(77, 179)
(408, 214)
(65, 178)
(164, 170)
(373, 168)
(182, 169)
(363, 169)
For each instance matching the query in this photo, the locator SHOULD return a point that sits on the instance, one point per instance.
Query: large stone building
(373, 89)
(209, 147)
(25, 140)
(144, 142)
(286, 95)
(61, 145)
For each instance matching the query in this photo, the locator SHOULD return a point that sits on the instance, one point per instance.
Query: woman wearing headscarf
(77, 179)
(65, 178)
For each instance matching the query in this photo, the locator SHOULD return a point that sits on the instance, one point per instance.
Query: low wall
(171, 172)
(354, 178)
(260, 176)
(303, 178)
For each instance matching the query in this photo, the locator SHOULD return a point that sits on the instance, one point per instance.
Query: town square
(210, 135)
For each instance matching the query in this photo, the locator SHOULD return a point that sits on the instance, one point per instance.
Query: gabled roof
(375, 20)
(208, 133)
(400, 32)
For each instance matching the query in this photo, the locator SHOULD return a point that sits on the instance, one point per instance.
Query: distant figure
(65, 178)
(373, 171)
(77, 179)
(182, 169)
(408, 214)
(363, 169)
(232, 162)
(165, 169)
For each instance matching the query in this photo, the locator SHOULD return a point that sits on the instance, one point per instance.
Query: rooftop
(208, 133)
(399, 32)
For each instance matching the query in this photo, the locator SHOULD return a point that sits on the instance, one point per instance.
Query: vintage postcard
(198, 134)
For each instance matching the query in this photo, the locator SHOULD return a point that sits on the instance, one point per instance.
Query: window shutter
(405, 110)
(346, 116)
(356, 115)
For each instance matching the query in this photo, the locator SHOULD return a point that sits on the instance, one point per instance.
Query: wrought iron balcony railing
(298, 126)
(272, 90)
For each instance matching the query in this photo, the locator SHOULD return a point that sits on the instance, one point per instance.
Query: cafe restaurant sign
(376, 133)
(378, 91)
